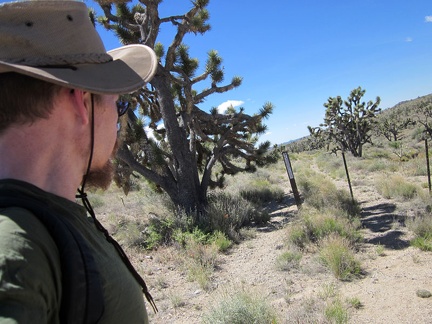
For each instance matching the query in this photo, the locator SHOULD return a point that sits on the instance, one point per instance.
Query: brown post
(348, 177)
(427, 163)
(291, 178)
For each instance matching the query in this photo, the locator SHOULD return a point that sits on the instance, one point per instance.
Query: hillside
(405, 109)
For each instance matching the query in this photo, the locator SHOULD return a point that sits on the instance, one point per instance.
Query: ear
(82, 104)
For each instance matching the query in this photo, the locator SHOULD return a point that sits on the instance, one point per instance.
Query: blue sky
(297, 53)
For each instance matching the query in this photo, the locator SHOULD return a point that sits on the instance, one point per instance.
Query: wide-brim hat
(55, 41)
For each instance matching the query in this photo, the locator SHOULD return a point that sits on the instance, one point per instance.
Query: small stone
(423, 293)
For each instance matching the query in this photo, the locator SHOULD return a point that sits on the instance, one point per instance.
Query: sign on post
(291, 178)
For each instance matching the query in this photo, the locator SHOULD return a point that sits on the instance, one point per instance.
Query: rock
(423, 293)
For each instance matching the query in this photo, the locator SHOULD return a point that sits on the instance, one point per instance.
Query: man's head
(47, 46)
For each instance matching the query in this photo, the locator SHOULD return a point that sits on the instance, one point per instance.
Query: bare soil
(393, 272)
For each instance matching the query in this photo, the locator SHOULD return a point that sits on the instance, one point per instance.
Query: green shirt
(30, 275)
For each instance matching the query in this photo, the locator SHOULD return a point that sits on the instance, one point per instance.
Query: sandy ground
(393, 273)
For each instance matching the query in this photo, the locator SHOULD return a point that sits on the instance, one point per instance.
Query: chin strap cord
(86, 203)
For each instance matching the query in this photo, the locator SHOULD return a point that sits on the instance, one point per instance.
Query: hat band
(88, 58)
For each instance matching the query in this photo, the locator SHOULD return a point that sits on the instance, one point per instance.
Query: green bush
(220, 240)
(159, 232)
(424, 244)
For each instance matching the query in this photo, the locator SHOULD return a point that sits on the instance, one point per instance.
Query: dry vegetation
(336, 260)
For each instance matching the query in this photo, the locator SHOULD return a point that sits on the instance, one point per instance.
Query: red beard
(101, 178)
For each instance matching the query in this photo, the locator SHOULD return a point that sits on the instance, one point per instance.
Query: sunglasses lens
(122, 107)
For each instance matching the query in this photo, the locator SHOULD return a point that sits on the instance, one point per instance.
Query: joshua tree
(172, 138)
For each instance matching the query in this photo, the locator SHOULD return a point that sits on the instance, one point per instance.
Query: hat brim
(131, 68)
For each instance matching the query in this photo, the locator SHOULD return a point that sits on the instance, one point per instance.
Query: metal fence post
(291, 178)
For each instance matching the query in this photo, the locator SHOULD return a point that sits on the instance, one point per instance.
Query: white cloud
(149, 131)
(408, 39)
(225, 105)
(428, 19)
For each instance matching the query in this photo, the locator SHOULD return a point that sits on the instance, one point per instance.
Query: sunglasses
(122, 107)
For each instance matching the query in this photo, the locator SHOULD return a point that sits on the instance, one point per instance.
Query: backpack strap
(82, 298)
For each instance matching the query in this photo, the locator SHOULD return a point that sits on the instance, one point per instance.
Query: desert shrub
(241, 308)
(217, 238)
(310, 311)
(322, 223)
(259, 187)
(288, 260)
(298, 235)
(422, 228)
(377, 153)
(130, 233)
(376, 165)
(424, 244)
(336, 312)
(315, 225)
(395, 186)
(197, 253)
(417, 167)
(355, 302)
(159, 232)
(221, 241)
(228, 213)
(263, 195)
(321, 193)
(337, 254)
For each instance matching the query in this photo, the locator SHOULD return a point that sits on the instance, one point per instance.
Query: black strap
(82, 299)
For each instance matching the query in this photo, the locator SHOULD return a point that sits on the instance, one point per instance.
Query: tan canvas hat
(55, 41)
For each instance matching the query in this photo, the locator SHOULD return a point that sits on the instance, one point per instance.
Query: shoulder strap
(82, 299)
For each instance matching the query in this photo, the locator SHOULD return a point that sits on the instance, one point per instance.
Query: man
(59, 109)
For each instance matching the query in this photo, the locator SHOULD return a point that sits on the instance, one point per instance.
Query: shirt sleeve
(30, 273)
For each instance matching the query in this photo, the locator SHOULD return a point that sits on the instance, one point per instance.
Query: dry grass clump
(288, 260)
(337, 254)
(241, 307)
(332, 165)
(395, 186)
(321, 193)
(422, 228)
(198, 253)
(328, 306)
(322, 223)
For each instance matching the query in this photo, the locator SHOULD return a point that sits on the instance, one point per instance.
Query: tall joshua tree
(170, 138)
